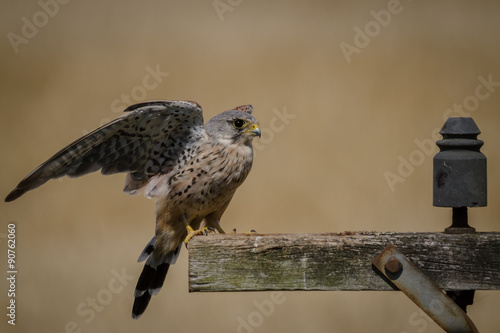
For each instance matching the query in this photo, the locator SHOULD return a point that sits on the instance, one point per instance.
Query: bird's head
(236, 126)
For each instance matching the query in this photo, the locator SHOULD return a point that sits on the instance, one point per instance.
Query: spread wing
(145, 142)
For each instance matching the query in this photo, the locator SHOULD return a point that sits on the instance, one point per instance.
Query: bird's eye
(238, 123)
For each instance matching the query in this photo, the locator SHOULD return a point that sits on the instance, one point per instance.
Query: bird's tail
(152, 276)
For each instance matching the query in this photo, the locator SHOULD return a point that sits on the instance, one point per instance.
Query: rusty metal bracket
(422, 291)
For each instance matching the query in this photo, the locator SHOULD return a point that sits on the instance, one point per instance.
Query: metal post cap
(459, 167)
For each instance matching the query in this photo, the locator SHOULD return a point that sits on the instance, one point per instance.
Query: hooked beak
(254, 130)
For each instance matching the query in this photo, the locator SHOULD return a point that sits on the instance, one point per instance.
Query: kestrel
(191, 169)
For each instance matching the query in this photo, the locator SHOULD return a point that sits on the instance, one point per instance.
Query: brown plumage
(191, 169)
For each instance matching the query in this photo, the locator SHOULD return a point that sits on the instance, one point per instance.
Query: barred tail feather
(152, 277)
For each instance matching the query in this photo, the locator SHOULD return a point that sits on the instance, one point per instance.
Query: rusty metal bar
(423, 291)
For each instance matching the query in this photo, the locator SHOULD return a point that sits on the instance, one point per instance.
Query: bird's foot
(192, 233)
(246, 233)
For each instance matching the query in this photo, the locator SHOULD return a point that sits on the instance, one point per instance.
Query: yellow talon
(192, 233)
(246, 233)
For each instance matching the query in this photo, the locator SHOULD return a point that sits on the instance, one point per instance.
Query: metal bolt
(393, 265)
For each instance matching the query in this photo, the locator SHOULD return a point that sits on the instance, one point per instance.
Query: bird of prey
(191, 169)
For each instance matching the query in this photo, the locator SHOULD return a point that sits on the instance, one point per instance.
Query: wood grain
(339, 261)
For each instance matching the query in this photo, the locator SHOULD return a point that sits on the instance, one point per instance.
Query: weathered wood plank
(339, 261)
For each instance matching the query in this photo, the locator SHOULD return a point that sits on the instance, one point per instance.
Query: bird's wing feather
(144, 142)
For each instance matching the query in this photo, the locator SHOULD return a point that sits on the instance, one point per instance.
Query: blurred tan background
(335, 124)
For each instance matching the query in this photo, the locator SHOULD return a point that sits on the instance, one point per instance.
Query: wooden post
(257, 262)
